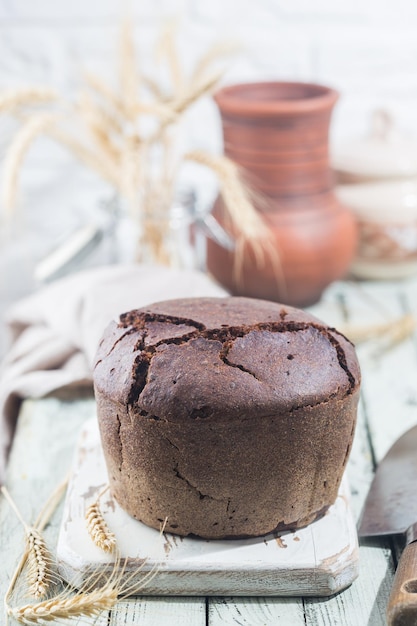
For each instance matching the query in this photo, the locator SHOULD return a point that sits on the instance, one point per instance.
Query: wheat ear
(128, 70)
(177, 106)
(104, 92)
(104, 111)
(31, 129)
(16, 98)
(213, 54)
(399, 328)
(99, 125)
(195, 91)
(154, 88)
(39, 573)
(166, 49)
(171, 110)
(99, 161)
(97, 526)
(235, 193)
(130, 172)
(249, 227)
(40, 523)
(88, 604)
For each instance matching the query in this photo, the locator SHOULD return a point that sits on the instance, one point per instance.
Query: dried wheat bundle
(119, 131)
(40, 571)
(91, 600)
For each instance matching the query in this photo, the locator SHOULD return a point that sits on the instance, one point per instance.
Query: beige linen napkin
(55, 331)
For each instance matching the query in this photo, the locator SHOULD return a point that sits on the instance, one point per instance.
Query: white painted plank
(168, 611)
(365, 601)
(389, 379)
(232, 611)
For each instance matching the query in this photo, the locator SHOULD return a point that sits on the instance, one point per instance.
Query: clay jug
(278, 134)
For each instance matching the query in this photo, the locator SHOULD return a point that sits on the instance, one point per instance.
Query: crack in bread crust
(138, 320)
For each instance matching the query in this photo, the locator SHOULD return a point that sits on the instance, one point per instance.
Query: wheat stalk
(195, 92)
(39, 560)
(81, 604)
(128, 71)
(390, 333)
(217, 51)
(34, 126)
(100, 162)
(130, 171)
(98, 529)
(15, 98)
(245, 221)
(103, 110)
(235, 193)
(166, 50)
(97, 526)
(171, 111)
(90, 600)
(154, 88)
(39, 572)
(98, 125)
(41, 575)
(106, 93)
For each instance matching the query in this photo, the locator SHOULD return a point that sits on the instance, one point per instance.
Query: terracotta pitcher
(278, 133)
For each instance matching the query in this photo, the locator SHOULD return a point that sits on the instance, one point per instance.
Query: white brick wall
(365, 48)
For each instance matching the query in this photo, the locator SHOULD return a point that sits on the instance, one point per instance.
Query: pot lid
(384, 153)
(391, 201)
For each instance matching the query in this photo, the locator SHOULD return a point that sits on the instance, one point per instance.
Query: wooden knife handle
(402, 605)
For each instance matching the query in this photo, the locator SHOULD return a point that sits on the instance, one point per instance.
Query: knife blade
(391, 509)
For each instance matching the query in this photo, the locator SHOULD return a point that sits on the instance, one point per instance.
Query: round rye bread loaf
(227, 417)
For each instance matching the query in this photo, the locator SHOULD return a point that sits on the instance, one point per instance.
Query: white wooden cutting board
(321, 559)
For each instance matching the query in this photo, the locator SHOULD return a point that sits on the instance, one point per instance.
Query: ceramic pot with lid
(377, 179)
(278, 134)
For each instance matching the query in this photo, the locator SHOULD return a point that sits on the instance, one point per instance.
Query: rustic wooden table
(48, 430)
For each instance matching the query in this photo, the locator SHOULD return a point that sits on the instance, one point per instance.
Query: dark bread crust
(230, 416)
